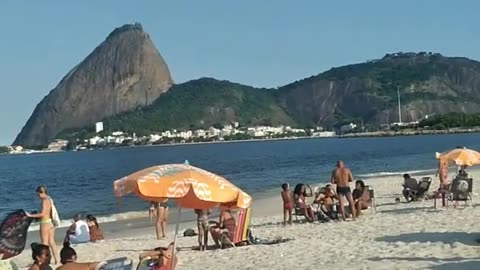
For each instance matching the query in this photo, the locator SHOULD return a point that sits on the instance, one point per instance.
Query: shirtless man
(341, 176)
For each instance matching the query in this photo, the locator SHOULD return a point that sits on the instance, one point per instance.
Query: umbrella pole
(177, 226)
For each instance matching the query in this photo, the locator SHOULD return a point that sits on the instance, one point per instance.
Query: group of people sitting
(326, 205)
(83, 231)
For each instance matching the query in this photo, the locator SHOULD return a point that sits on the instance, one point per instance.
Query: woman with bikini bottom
(160, 211)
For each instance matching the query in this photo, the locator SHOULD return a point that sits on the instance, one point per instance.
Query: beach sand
(398, 236)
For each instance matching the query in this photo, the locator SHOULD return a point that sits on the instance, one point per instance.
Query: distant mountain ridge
(125, 72)
(124, 83)
(428, 84)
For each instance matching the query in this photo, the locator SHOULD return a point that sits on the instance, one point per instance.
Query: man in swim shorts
(342, 176)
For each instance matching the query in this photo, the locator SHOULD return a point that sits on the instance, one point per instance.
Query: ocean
(81, 182)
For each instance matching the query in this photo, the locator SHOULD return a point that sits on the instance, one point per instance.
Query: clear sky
(260, 43)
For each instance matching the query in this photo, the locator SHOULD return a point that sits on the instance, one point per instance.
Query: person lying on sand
(68, 258)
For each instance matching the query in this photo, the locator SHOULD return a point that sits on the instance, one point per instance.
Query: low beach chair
(123, 263)
(461, 190)
(421, 192)
(240, 234)
(297, 211)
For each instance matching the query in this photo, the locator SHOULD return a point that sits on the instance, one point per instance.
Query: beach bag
(189, 233)
(55, 217)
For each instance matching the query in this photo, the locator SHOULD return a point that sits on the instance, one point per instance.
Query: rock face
(428, 84)
(123, 73)
(367, 92)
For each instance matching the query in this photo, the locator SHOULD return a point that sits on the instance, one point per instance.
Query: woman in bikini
(299, 198)
(160, 210)
(47, 230)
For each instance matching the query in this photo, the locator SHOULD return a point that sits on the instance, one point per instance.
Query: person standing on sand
(442, 173)
(342, 176)
(203, 227)
(47, 228)
(287, 204)
(160, 210)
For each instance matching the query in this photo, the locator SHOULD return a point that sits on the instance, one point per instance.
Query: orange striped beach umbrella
(461, 156)
(188, 186)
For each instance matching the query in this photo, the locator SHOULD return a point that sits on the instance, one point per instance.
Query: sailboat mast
(399, 106)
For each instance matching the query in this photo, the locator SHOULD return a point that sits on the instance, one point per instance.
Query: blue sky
(260, 43)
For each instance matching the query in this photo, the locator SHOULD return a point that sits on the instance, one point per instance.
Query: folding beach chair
(422, 189)
(461, 190)
(240, 234)
(297, 211)
(123, 263)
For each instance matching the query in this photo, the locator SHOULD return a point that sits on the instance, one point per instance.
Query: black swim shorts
(343, 190)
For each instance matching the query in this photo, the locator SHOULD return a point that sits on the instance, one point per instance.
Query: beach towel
(13, 234)
(55, 217)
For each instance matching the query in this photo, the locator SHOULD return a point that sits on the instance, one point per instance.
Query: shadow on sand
(405, 210)
(440, 264)
(424, 237)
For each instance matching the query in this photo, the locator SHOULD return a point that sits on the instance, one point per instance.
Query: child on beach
(203, 228)
(287, 204)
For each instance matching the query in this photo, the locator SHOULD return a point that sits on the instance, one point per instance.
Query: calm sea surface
(82, 181)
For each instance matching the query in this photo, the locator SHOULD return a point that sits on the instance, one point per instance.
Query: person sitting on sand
(68, 259)
(226, 226)
(361, 197)
(78, 233)
(342, 176)
(161, 256)
(95, 231)
(299, 199)
(410, 185)
(202, 225)
(41, 257)
(287, 204)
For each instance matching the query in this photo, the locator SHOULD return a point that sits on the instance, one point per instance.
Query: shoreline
(139, 218)
(376, 134)
(384, 242)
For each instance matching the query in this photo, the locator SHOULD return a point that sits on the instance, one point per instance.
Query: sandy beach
(398, 236)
